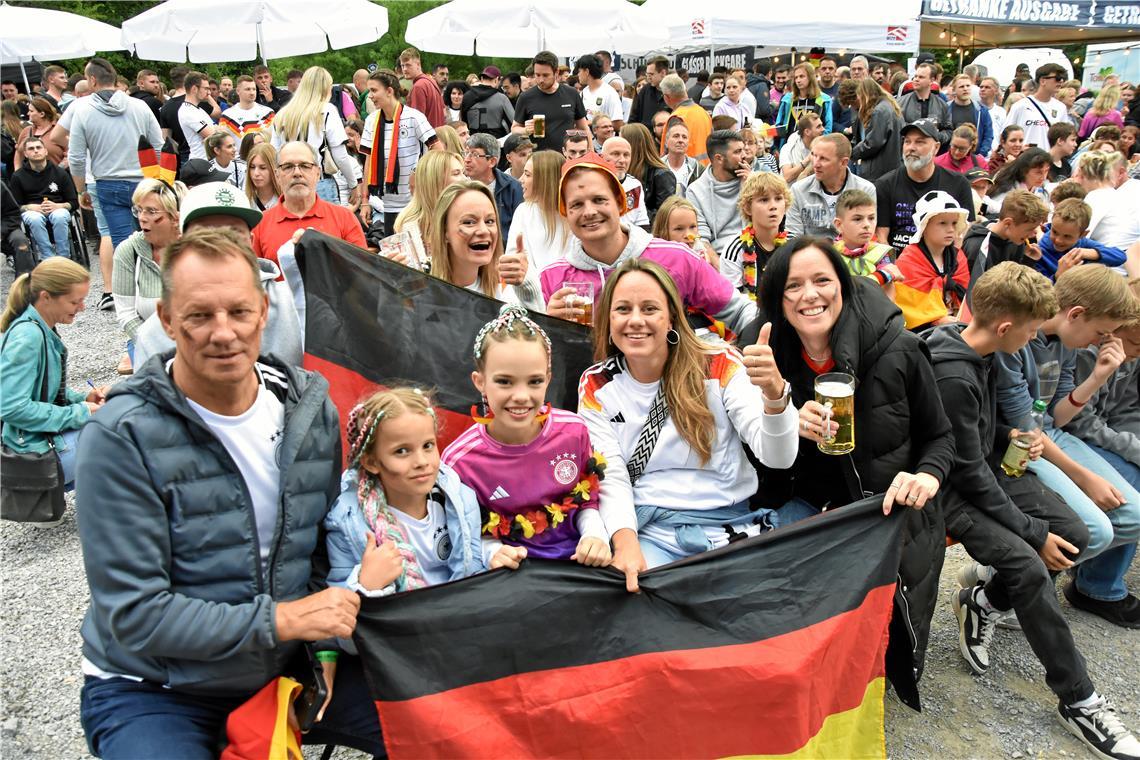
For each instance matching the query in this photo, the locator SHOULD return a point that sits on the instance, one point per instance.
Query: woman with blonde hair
(467, 248)
(1103, 111)
(310, 117)
(803, 97)
(1114, 219)
(261, 185)
(436, 170)
(657, 179)
(691, 492)
(880, 149)
(450, 139)
(39, 411)
(545, 236)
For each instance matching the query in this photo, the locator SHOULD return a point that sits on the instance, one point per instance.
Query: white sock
(1089, 702)
(983, 602)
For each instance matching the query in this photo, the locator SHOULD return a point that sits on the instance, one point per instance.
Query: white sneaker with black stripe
(975, 629)
(1100, 728)
(973, 574)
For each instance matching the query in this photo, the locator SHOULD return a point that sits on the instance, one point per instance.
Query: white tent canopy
(521, 28)
(47, 35)
(221, 31)
(881, 26)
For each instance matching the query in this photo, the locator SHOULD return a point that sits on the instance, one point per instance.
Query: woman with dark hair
(824, 320)
(247, 144)
(453, 93)
(1010, 144)
(657, 179)
(1028, 171)
(879, 150)
(688, 491)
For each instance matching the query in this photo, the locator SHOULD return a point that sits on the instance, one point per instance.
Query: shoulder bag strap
(44, 381)
(647, 439)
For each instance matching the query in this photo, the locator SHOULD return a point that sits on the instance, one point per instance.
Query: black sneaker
(1099, 727)
(975, 629)
(1124, 613)
(106, 302)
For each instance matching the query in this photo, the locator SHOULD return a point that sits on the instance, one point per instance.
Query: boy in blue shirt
(1065, 246)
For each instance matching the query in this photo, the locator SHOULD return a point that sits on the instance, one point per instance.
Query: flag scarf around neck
(771, 646)
(371, 323)
(385, 175)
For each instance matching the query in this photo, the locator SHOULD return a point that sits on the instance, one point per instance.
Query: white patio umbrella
(46, 35)
(223, 31)
(521, 28)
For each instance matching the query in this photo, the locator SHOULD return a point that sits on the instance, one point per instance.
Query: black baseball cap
(928, 127)
(976, 174)
(198, 171)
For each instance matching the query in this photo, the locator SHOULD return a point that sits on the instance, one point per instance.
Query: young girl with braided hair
(402, 521)
(532, 467)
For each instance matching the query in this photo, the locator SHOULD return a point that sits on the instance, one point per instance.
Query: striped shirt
(136, 283)
(242, 121)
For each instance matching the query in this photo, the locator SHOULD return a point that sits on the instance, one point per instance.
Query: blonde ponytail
(55, 276)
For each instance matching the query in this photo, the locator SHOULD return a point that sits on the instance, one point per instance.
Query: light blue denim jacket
(347, 527)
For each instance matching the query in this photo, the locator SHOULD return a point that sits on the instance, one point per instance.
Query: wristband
(1074, 402)
(327, 655)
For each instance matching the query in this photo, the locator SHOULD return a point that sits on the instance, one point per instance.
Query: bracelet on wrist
(1074, 402)
(327, 655)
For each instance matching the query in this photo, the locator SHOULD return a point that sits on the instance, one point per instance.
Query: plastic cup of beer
(582, 298)
(539, 125)
(835, 391)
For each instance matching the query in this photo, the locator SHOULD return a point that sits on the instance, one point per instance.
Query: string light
(942, 35)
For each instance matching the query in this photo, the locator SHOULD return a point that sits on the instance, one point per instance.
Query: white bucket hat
(930, 205)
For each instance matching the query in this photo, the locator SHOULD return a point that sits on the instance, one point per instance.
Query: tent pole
(261, 44)
(24, 74)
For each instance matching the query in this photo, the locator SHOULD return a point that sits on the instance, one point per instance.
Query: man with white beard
(898, 191)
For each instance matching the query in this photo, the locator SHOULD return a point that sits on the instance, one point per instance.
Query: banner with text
(1089, 14)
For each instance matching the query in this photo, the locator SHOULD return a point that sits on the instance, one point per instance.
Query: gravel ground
(1009, 712)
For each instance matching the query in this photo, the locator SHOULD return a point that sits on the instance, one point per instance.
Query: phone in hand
(314, 691)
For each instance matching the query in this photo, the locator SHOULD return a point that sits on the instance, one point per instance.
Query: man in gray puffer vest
(202, 487)
(485, 108)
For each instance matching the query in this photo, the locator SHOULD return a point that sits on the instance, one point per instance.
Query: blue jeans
(128, 719)
(100, 221)
(60, 221)
(115, 201)
(328, 191)
(1100, 573)
(66, 454)
(1107, 575)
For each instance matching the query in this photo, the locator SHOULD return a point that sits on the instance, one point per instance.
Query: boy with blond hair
(1093, 303)
(1066, 245)
(1010, 238)
(763, 202)
(1024, 531)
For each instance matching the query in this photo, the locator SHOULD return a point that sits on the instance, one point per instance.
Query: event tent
(882, 26)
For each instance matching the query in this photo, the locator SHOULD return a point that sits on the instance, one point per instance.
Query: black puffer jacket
(900, 425)
(659, 184)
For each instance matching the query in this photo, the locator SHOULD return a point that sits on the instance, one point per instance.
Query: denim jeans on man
(1112, 534)
(60, 221)
(115, 202)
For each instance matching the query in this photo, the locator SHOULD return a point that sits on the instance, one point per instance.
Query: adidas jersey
(242, 121)
(615, 407)
(517, 480)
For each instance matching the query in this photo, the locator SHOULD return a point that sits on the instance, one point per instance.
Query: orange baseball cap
(592, 161)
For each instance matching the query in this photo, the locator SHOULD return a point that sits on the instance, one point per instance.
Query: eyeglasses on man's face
(304, 166)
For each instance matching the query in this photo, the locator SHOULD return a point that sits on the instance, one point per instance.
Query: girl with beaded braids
(532, 467)
(402, 521)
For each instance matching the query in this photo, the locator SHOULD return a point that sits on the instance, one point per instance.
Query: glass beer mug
(835, 391)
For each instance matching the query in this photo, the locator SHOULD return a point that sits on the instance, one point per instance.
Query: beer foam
(834, 390)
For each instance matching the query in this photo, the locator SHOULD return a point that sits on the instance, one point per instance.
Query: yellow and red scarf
(377, 166)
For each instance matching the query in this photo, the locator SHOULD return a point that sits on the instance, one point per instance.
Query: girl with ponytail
(402, 521)
(33, 358)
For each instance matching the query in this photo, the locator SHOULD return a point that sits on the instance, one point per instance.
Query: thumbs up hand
(760, 363)
(513, 264)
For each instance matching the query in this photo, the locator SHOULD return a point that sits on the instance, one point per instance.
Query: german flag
(771, 646)
(161, 166)
(372, 323)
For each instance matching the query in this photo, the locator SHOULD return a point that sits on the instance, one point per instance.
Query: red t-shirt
(278, 224)
(426, 98)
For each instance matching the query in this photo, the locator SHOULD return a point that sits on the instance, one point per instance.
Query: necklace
(818, 359)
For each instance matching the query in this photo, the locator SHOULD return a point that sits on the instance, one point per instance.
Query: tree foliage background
(340, 63)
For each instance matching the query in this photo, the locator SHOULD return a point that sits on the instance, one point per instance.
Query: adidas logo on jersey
(500, 493)
(619, 417)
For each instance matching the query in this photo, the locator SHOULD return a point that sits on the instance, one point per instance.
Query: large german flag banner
(772, 646)
(371, 323)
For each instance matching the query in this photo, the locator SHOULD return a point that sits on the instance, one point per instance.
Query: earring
(482, 414)
(672, 337)
(543, 412)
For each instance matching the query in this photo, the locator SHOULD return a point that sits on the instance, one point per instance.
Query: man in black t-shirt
(146, 89)
(560, 104)
(897, 192)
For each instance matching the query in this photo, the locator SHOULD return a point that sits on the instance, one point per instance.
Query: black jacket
(996, 250)
(900, 426)
(761, 89)
(659, 184)
(967, 383)
(55, 184)
(646, 103)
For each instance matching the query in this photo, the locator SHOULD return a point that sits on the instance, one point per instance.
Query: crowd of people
(964, 253)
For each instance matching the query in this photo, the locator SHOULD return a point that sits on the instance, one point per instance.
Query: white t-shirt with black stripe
(416, 136)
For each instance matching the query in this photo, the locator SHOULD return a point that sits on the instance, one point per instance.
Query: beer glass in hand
(582, 298)
(835, 391)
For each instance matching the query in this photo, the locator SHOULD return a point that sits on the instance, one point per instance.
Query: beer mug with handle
(835, 391)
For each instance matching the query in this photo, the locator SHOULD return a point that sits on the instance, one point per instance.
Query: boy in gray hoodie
(109, 127)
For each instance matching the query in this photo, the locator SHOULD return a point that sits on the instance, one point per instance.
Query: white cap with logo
(214, 198)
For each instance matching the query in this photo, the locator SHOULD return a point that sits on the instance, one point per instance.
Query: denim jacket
(347, 527)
